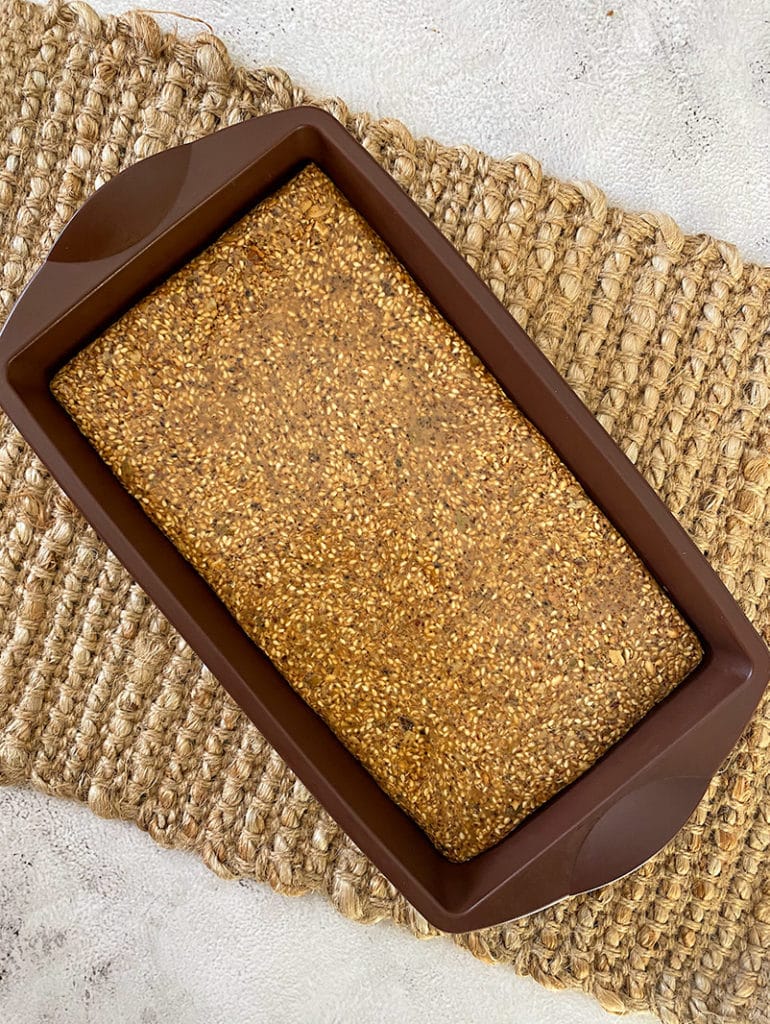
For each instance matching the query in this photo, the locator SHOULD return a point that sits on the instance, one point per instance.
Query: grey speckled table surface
(664, 104)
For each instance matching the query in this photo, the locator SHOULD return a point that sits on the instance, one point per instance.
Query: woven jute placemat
(665, 336)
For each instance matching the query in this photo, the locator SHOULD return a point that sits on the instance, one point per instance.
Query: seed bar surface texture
(294, 413)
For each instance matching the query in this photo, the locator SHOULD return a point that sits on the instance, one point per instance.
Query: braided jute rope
(665, 336)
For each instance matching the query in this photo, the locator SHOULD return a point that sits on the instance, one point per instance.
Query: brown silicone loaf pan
(154, 218)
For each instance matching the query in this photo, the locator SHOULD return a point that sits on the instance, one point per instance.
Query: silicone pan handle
(163, 206)
(150, 193)
(634, 829)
